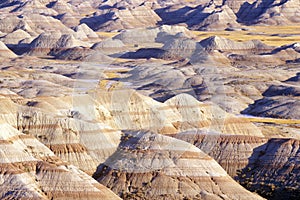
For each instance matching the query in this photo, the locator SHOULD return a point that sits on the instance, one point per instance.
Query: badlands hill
(279, 101)
(30, 170)
(146, 169)
(120, 15)
(249, 160)
(80, 120)
(6, 52)
(149, 99)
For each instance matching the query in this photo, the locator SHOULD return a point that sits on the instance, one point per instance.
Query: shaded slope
(266, 166)
(280, 101)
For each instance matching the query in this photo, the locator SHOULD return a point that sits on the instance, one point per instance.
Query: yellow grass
(109, 84)
(274, 121)
(107, 34)
(111, 75)
(263, 33)
(120, 60)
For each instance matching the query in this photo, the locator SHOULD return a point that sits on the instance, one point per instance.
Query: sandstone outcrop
(15, 37)
(6, 52)
(274, 170)
(139, 95)
(83, 32)
(279, 101)
(150, 35)
(109, 45)
(232, 152)
(30, 170)
(149, 165)
(270, 12)
(257, 163)
(126, 18)
(53, 41)
(218, 20)
(223, 44)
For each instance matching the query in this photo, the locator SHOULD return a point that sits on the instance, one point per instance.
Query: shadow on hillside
(271, 173)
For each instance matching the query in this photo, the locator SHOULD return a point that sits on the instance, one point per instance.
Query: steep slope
(151, 35)
(69, 20)
(15, 37)
(289, 53)
(274, 174)
(81, 143)
(83, 32)
(35, 7)
(29, 170)
(210, 117)
(61, 7)
(123, 18)
(67, 125)
(270, 12)
(110, 46)
(82, 54)
(279, 101)
(266, 166)
(222, 44)
(120, 15)
(149, 165)
(6, 52)
(181, 47)
(219, 19)
(10, 23)
(175, 47)
(232, 152)
(45, 43)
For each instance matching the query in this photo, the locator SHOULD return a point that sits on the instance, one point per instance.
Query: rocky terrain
(148, 170)
(149, 99)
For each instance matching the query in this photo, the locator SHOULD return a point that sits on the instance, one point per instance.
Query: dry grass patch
(273, 120)
(107, 34)
(108, 83)
(270, 35)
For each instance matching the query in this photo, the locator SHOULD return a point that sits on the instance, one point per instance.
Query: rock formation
(274, 171)
(61, 7)
(279, 101)
(15, 37)
(44, 43)
(83, 32)
(118, 19)
(54, 41)
(149, 165)
(83, 54)
(209, 117)
(6, 52)
(223, 44)
(69, 20)
(232, 152)
(257, 163)
(270, 12)
(218, 20)
(110, 45)
(150, 35)
(30, 170)
(146, 97)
